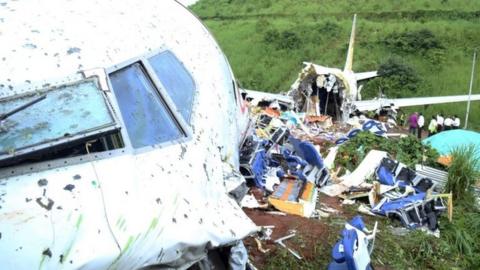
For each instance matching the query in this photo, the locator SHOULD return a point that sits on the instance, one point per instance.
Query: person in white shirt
(456, 122)
(440, 120)
(432, 127)
(448, 123)
(421, 123)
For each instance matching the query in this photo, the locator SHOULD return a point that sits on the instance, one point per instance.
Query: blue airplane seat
(385, 176)
(358, 223)
(341, 140)
(354, 132)
(369, 124)
(311, 155)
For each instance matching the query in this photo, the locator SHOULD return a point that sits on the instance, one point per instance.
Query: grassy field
(266, 42)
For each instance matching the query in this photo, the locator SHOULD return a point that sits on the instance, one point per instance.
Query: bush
(463, 174)
(413, 41)
(408, 150)
(397, 79)
(282, 40)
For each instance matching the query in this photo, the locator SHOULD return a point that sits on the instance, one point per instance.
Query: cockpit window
(177, 81)
(54, 123)
(145, 114)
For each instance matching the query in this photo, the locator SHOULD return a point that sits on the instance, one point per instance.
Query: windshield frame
(183, 125)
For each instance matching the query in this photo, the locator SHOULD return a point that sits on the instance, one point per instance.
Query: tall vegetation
(396, 79)
(463, 174)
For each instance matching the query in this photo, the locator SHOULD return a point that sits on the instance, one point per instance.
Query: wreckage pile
(288, 160)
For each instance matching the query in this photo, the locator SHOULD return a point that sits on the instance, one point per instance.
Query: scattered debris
(280, 242)
(276, 213)
(281, 159)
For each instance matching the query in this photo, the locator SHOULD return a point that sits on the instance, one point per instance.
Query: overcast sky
(187, 2)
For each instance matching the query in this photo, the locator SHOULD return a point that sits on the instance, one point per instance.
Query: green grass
(241, 27)
(463, 174)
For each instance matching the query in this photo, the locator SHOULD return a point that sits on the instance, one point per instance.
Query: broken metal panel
(65, 114)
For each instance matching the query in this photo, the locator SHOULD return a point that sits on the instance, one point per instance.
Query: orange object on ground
(445, 160)
(295, 197)
(316, 118)
(272, 112)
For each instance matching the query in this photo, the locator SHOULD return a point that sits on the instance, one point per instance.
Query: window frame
(160, 89)
(112, 102)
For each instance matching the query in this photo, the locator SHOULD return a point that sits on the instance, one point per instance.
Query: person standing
(420, 123)
(440, 121)
(413, 123)
(432, 127)
(456, 122)
(448, 123)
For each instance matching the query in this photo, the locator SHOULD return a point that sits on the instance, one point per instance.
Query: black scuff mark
(69, 187)
(77, 177)
(0, 235)
(73, 50)
(159, 201)
(44, 192)
(59, 207)
(47, 252)
(61, 258)
(47, 205)
(28, 200)
(206, 172)
(183, 151)
(42, 182)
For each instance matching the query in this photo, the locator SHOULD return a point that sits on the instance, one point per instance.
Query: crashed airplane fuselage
(325, 90)
(119, 139)
(335, 92)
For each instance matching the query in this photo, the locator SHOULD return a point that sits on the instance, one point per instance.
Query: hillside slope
(266, 41)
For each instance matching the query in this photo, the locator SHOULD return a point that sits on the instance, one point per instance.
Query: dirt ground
(309, 232)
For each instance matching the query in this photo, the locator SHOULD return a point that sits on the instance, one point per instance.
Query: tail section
(349, 62)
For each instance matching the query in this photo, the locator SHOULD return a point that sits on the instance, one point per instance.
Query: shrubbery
(397, 79)
(413, 41)
(408, 150)
(282, 40)
(463, 174)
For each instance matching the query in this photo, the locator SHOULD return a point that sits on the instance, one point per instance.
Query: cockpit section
(148, 98)
(64, 121)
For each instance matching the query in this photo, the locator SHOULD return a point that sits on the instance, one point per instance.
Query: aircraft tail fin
(349, 62)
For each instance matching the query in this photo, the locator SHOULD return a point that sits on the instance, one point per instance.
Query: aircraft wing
(257, 96)
(366, 75)
(370, 105)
